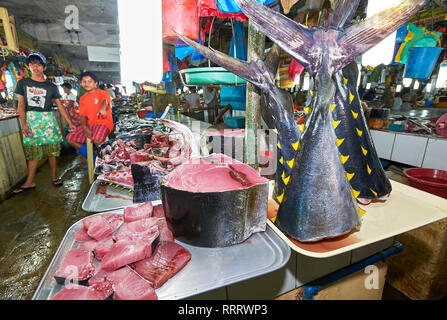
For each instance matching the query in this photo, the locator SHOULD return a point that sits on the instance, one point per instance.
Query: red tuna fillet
(128, 251)
(158, 212)
(81, 235)
(165, 233)
(100, 282)
(136, 229)
(168, 259)
(97, 227)
(115, 220)
(128, 285)
(76, 265)
(137, 212)
(100, 248)
(76, 292)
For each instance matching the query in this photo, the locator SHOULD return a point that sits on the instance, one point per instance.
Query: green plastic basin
(212, 75)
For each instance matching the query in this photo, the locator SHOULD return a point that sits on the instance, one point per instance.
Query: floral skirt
(43, 127)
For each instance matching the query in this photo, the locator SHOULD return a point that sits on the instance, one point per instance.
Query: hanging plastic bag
(295, 69)
(229, 6)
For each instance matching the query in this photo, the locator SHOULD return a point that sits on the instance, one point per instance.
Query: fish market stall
(12, 158)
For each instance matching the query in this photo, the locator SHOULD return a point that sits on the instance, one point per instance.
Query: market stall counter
(12, 158)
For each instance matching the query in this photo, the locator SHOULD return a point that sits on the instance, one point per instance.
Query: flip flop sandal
(21, 190)
(57, 182)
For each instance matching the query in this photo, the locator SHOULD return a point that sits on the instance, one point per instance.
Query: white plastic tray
(406, 209)
(208, 269)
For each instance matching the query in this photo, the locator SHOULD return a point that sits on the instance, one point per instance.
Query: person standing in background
(70, 104)
(210, 98)
(41, 132)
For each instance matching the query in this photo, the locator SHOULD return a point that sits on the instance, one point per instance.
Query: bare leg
(32, 168)
(53, 166)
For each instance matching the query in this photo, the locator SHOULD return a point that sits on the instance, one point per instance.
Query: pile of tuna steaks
(135, 253)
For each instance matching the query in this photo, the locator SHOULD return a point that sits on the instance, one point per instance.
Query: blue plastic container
(235, 122)
(151, 114)
(421, 62)
(83, 151)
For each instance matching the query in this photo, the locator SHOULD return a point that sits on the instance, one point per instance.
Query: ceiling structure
(47, 22)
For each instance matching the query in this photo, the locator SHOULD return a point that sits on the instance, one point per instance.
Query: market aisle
(34, 223)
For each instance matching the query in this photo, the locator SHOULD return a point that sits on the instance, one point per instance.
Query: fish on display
(319, 198)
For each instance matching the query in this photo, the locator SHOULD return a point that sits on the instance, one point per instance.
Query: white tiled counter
(425, 151)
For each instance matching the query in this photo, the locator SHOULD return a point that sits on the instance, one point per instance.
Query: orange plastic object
(181, 16)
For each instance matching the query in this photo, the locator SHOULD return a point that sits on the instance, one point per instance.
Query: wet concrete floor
(33, 224)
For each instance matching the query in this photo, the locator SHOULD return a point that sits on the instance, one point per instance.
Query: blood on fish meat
(128, 285)
(168, 259)
(137, 212)
(77, 265)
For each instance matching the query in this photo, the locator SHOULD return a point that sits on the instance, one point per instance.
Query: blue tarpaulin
(182, 51)
(229, 6)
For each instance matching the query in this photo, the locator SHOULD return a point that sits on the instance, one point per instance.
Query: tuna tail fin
(272, 61)
(344, 12)
(293, 37)
(243, 69)
(362, 36)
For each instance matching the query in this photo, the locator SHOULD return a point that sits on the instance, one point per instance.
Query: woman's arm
(22, 114)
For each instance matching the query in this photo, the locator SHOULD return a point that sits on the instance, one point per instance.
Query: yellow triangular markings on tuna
(286, 180)
(279, 145)
(361, 212)
(355, 193)
(273, 219)
(339, 142)
(312, 92)
(302, 127)
(346, 80)
(354, 114)
(281, 160)
(333, 106)
(281, 197)
(351, 96)
(368, 169)
(359, 132)
(308, 110)
(374, 193)
(364, 151)
(273, 117)
(344, 159)
(336, 123)
(349, 176)
(296, 145)
(275, 131)
(283, 175)
(291, 163)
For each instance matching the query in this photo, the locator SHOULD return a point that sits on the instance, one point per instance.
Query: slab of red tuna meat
(165, 233)
(215, 173)
(115, 220)
(128, 251)
(76, 265)
(97, 227)
(137, 229)
(137, 212)
(168, 259)
(123, 177)
(81, 235)
(76, 292)
(100, 248)
(158, 212)
(128, 285)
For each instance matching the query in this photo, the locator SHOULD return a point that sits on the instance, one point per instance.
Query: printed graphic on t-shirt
(36, 97)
